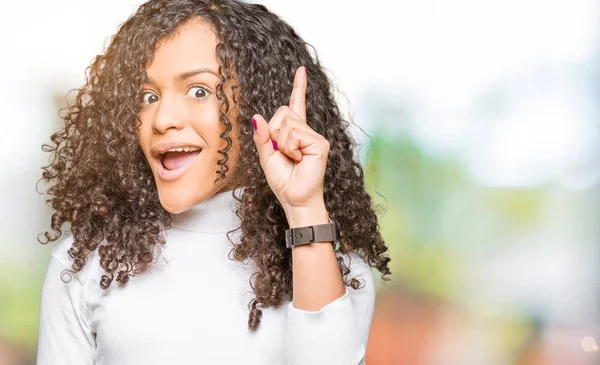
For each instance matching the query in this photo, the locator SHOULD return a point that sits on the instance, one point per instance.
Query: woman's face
(180, 127)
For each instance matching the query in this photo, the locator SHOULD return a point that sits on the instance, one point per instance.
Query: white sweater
(192, 307)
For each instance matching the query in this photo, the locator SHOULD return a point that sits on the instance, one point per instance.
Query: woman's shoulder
(359, 267)
(352, 259)
(60, 253)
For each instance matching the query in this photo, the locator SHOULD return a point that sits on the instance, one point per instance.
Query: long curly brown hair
(100, 182)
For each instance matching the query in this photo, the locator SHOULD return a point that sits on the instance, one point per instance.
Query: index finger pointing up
(298, 97)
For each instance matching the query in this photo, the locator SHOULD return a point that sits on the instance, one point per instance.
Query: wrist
(307, 216)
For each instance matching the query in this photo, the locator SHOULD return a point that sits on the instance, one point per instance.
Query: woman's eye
(149, 98)
(197, 92)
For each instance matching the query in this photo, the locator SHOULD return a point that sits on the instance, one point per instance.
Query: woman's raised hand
(292, 155)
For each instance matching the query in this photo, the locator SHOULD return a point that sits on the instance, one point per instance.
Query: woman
(177, 189)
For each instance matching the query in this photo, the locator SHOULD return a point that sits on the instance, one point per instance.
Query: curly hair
(100, 182)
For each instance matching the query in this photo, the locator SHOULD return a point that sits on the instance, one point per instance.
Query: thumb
(262, 138)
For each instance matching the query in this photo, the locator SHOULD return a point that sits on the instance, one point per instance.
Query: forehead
(191, 46)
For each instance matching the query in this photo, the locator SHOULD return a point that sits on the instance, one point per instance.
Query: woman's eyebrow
(185, 75)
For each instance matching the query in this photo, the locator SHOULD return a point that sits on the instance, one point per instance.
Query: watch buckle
(302, 232)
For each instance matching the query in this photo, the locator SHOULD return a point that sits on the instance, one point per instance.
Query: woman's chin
(173, 202)
(177, 200)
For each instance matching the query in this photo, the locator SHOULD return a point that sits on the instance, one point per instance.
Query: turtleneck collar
(214, 215)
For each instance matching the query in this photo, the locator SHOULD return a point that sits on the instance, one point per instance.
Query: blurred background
(480, 134)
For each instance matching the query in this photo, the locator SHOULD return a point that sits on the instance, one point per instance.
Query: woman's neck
(214, 215)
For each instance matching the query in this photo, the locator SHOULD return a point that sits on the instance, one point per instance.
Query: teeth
(182, 149)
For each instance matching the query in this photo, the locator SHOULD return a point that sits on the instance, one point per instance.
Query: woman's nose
(168, 116)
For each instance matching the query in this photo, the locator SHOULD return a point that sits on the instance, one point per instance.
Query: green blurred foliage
(434, 214)
(20, 294)
(435, 219)
(413, 188)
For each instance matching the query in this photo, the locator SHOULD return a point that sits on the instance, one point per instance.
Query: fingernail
(304, 70)
(275, 146)
(254, 123)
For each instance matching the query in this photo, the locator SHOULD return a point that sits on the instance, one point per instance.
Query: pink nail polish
(275, 146)
(254, 123)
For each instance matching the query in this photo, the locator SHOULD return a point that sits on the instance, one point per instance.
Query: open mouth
(172, 164)
(178, 159)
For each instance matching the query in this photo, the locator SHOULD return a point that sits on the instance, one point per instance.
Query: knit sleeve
(65, 336)
(338, 332)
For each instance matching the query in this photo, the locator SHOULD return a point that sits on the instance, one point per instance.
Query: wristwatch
(328, 232)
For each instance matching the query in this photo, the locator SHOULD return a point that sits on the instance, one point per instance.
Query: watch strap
(328, 232)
